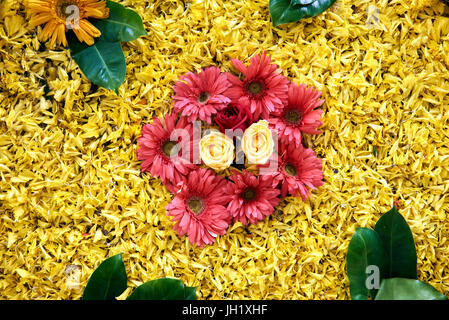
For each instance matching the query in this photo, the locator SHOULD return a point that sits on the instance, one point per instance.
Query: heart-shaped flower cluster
(216, 181)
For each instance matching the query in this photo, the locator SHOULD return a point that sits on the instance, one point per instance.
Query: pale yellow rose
(217, 150)
(257, 143)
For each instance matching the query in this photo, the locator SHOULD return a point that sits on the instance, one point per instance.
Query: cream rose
(217, 150)
(257, 143)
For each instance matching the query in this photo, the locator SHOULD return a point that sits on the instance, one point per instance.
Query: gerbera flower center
(196, 205)
(62, 8)
(170, 148)
(203, 97)
(255, 87)
(249, 194)
(290, 169)
(293, 116)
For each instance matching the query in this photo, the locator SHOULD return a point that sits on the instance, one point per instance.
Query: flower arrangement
(93, 31)
(215, 181)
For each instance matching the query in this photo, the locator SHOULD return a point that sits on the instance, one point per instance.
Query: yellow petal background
(71, 193)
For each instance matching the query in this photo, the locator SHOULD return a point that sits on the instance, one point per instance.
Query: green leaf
(103, 63)
(407, 289)
(365, 262)
(163, 289)
(286, 11)
(108, 281)
(397, 238)
(190, 293)
(122, 25)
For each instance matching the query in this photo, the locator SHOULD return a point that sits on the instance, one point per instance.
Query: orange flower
(61, 15)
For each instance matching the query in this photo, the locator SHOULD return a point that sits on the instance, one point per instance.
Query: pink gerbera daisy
(264, 89)
(166, 153)
(199, 207)
(298, 115)
(252, 198)
(201, 95)
(297, 169)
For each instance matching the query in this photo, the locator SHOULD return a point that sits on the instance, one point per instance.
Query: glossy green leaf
(103, 63)
(397, 238)
(163, 289)
(108, 281)
(190, 293)
(407, 289)
(122, 25)
(286, 11)
(365, 262)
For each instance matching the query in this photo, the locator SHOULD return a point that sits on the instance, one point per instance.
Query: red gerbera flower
(264, 89)
(298, 115)
(201, 95)
(297, 169)
(199, 207)
(252, 198)
(166, 153)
